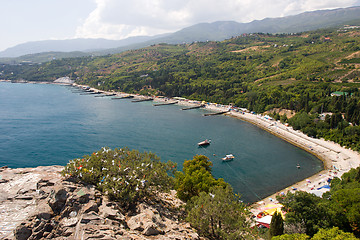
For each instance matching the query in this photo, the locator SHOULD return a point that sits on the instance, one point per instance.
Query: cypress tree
(276, 225)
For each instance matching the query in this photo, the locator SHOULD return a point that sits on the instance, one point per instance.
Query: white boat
(228, 157)
(204, 143)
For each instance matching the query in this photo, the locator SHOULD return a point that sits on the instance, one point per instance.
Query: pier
(217, 113)
(162, 104)
(125, 97)
(143, 100)
(106, 95)
(87, 93)
(195, 107)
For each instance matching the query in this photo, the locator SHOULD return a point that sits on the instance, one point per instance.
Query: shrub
(126, 176)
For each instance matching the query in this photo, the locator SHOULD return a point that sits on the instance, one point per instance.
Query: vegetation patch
(125, 175)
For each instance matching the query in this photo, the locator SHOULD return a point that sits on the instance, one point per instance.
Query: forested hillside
(259, 72)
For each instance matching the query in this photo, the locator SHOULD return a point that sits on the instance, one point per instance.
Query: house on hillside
(338, 94)
(322, 116)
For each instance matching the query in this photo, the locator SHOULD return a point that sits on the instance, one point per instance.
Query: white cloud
(117, 19)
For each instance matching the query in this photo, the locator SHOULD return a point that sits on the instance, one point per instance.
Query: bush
(127, 176)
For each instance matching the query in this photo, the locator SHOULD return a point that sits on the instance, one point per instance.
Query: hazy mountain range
(40, 51)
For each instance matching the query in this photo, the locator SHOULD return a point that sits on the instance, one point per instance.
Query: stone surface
(38, 203)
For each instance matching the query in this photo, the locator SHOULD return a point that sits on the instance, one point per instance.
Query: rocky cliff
(38, 203)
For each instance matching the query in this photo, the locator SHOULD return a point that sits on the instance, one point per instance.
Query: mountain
(215, 31)
(307, 21)
(221, 30)
(70, 45)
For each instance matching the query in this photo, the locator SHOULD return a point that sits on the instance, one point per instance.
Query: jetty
(124, 97)
(106, 95)
(143, 100)
(87, 93)
(213, 114)
(194, 107)
(163, 104)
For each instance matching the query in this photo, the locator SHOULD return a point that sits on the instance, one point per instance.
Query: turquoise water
(50, 124)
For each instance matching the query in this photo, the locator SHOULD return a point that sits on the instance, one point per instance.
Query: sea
(47, 124)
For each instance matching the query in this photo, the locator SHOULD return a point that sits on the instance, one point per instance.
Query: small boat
(204, 143)
(228, 157)
(298, 166)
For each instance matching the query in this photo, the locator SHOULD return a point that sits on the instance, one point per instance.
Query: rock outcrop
(38, 203)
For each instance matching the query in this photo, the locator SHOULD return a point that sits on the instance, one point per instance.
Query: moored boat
(204, 143)
(228, 157)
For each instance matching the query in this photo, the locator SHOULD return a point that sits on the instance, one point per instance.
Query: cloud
(117, 19)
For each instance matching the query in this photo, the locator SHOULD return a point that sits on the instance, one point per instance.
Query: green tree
(306, 208)
(219, 214)
(300, 120)
(276, 225)
(195, 178)
(345, 195)
(333, 234)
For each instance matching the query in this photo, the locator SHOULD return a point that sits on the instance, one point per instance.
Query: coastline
(336, 159)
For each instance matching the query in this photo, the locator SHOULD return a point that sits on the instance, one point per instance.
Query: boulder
(91, 206)
(135, 223)
(90, 217)
(152, 229)
(44, 211)
(68, 222)
(58, 198)
(22, 232)
(110, 213)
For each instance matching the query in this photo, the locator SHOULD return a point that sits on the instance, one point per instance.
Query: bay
(44, 124)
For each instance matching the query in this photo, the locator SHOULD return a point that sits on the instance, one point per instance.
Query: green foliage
(323, 234)
(333, 234)
(127, 176)
(296, 236)
(308, 209)
(345, 195)
(276, 225)
(195, 178)
(219, 214)
(300, 121)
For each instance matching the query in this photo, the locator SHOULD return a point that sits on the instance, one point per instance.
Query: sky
(34, 20)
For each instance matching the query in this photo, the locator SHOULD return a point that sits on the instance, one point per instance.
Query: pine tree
(276, 225)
